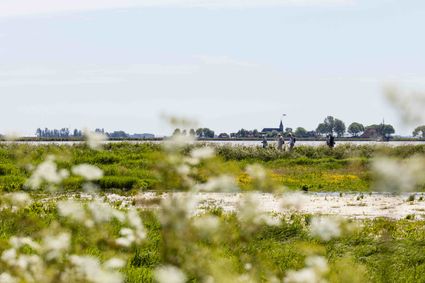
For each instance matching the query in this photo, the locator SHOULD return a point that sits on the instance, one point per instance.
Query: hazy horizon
(120, 65)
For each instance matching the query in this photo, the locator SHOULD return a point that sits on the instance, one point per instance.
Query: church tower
(281, 127)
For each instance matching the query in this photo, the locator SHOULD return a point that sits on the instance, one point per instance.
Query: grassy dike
(141, 166)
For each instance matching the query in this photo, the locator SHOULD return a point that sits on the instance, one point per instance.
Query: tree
(387, 130)
(330, 126)
(192, 132)
(177, 132)
(419, 132)
(322, 129)
(301, 132)
(205, 133)
(339, 127)
(355, 129)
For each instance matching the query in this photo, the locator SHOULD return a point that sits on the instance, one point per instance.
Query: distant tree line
(55, 133)
(66, 133)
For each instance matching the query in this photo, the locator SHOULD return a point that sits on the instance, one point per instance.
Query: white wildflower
(9, 256)
(250, 213)
(202, 153)
(256, 171)
(223, 183)
(48, 172)
(7, 278)
(72, 209)
(318, 263)
(183, 170)
(19, 200)
(169, 274)
(207, 224)
(399, 175)
(294, 201)
(325, 228)
(89, 269)
(18, 242)
(114, 263)
(95, 140)
(411, 105)
(316, 268)
(177, 142)
(88, 172)
(55, 246)
(306, 275)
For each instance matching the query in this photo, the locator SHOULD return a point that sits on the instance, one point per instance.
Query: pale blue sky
(227, 63)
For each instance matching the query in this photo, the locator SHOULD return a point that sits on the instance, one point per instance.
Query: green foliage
(355, 129)
(419, 132)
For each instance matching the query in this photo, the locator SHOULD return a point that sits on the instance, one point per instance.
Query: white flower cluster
(314, 272)
(399, 175)
(15, 201)
(223, 183)
(89, 269)
(207, 224)
(325, 228)
(256, 172)
(47, 172)
(250, 214)
(135, 233)
(94, 140)
(294, 201)
(169, 274)
(177, 142)
(88, 172)
(176, 210)
(411, 105)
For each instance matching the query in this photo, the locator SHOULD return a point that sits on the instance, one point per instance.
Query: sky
(228, 64)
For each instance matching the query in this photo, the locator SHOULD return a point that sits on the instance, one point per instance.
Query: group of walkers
(330, 141)
(281, 142)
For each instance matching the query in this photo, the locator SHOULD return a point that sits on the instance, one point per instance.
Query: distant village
(330, 126)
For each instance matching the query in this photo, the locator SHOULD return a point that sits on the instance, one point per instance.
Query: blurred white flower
(202, 153)
(72, 209)
(48, 172)
(89, 269)
(325, 228)
(103, 212)
(134, 234)
(316, 268)
(207, 224)
(183, 170)
(88, 172)
(169, 274)
(114, 263)
(177, 142)
(399, 175)
(411, 105)
(94, 140)
(18, 242)
(250, 214)
(294, 201)
(223, 183)
(256, 171)
(18, 200)
(7, 278)
(55, 246)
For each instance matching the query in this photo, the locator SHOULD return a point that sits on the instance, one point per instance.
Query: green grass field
(132, 167)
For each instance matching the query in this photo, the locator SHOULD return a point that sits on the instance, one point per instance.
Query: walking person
(264, 142)
(330, 140)
(292, 141)
(280, 142)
